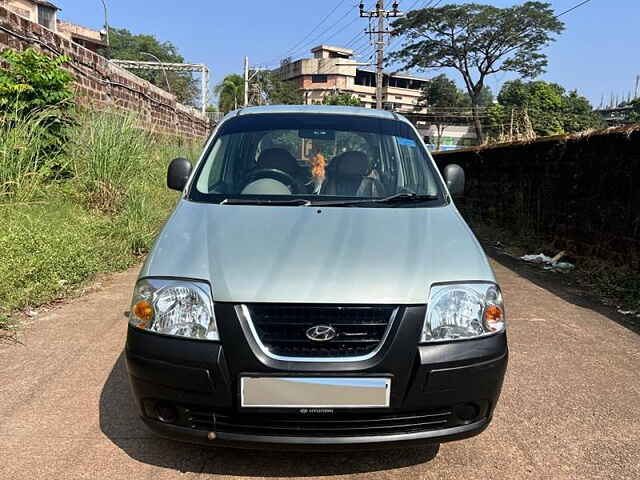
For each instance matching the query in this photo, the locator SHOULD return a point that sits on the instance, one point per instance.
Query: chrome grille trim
(245, 316)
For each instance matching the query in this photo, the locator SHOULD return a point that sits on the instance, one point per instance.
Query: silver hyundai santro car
(316, 287)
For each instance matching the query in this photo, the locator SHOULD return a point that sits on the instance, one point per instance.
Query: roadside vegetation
(614, 285)
(81, 192)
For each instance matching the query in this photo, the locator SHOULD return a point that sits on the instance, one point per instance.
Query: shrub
(33, 82)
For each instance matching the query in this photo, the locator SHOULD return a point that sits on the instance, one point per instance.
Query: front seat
(348, 177)
(279, 159)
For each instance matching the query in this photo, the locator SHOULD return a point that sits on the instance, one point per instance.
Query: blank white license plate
(315, 392)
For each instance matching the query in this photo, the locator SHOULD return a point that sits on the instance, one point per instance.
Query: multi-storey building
(333, 70)
(38, 11)
(46, 14)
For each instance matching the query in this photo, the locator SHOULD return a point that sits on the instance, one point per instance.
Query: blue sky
(596, 54)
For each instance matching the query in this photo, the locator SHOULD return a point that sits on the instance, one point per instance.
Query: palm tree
(230, 92)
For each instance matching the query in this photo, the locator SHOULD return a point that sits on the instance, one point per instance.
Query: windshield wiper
(391, 199)
(258, 201)
(403, 196)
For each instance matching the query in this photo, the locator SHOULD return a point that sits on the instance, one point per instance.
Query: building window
(398, 98)
(46, 17)
(319, 78)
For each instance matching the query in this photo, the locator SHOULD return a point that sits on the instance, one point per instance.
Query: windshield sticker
(406, 142)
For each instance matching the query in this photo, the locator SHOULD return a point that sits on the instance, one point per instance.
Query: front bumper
(189, 390)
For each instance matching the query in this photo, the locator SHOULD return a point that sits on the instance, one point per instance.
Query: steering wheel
(275, 174)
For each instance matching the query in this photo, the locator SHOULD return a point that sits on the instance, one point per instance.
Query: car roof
(318, 109)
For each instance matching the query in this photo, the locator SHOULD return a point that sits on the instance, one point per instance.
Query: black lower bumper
(188, 390)
(364, 442)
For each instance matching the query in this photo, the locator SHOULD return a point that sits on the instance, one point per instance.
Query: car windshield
(297, 159)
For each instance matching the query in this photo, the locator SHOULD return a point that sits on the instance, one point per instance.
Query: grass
(24, 160)
(97, 212)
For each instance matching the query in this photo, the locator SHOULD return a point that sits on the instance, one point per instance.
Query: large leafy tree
(230, 92)
(550, 108)
(477, 41)
(125, 45)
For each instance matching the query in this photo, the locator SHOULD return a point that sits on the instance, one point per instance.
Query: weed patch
(101, 216)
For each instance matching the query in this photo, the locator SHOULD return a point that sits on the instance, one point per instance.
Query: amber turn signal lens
(144, 311)
(493, 317)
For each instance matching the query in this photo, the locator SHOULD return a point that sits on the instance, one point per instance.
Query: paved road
(570, 407)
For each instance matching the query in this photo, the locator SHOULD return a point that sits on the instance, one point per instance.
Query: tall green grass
(26, 158)
(94, 207)
(108, 156)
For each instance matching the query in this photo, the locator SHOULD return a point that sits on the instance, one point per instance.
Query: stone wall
(579, 192)
(100, 84)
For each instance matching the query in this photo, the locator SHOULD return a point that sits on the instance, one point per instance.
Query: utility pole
(249, 75)
(106, 27)
(382, 15)
(246, 81)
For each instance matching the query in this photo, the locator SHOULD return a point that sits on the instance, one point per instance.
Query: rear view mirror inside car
(317, 134)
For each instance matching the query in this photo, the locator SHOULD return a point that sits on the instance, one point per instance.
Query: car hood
(317, 255)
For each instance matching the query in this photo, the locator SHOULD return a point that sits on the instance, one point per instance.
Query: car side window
(212, 170)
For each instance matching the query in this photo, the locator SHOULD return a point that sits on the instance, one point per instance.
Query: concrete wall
(100, 84)
(578, 192)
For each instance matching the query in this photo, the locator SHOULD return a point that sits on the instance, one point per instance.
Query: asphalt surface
(570, 407)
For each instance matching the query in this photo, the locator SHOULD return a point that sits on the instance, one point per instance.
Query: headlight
(463, 311)
(174, 307)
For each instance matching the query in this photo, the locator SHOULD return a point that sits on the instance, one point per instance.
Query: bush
(34, 82)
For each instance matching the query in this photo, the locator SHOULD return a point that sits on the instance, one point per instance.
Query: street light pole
(166, 79)
(106, 26)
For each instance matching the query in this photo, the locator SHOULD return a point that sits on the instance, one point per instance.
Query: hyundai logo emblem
(321, 333)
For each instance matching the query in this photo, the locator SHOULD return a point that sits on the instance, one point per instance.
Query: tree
(230, 92)
(477, 41)
(278, 91)
(551, 109)
(485, 98)
(124, 45)
(634, 115)
(578, 114)
(440, 95)
(345, 99)
(439, 92)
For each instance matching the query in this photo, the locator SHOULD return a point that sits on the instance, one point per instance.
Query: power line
(573, 8)
(292, 49)
(302, 44)
(323, 35)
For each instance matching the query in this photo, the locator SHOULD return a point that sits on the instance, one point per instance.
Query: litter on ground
(554, 264)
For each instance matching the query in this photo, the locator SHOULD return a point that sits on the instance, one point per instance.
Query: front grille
(335, 425)
(282, 328)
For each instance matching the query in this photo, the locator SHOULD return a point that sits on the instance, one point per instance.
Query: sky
(597, 54)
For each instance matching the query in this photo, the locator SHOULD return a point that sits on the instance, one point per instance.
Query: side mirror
(178, 173)
(454, 176)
